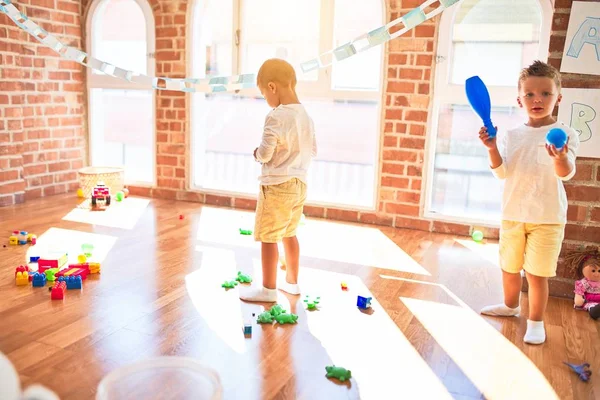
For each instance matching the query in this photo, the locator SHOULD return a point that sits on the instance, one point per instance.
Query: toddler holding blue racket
(534, 202)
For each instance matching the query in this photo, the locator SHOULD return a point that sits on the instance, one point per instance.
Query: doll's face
(592, 272)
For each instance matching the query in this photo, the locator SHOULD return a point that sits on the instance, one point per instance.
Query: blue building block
(34, 259)
(73, 282)
(363, 302)
(38, 280)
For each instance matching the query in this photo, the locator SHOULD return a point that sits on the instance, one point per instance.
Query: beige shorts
(279, 210)
(532, 247)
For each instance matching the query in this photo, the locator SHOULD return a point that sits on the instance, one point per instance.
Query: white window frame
(446, 92)
(101, 81)
(315, 90)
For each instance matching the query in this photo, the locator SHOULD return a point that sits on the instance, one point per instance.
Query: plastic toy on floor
(39, 280)
(342, 374)
(312, 304)
(276, 310)
(583, 370)
(229, 284)
(57, 292)
(100, 197)
(363, 302)
(265, 318)
(286, 318)
(245, 232)
(586, 264)
(243, 278)
(22, 278)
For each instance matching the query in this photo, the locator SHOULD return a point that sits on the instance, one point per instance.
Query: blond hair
(278, 71)
(540, 69)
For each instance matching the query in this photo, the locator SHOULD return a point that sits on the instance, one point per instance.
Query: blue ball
(557, 137)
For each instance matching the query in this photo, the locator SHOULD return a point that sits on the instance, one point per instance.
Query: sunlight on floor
(70, 241)
(494, 365)
(381, 358)
(222, 309)
(488, 251)
(123, 215)
(319, 239)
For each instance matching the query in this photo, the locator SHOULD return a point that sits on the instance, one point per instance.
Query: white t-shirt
(533, 193)
(288, 145)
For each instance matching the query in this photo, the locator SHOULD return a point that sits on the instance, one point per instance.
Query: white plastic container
(164, 378)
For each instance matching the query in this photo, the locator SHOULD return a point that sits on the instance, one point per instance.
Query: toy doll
(587, 288)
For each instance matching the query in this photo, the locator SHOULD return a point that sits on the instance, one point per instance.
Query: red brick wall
(42, 108)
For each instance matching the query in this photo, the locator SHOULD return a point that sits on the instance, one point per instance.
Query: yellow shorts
(279, 210)
(532, 247)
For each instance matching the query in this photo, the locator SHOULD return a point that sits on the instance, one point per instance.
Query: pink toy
(74, 270)
(587, 289)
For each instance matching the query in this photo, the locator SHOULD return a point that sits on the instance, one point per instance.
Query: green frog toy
(286, 318)
(243, 278)
(340, 373)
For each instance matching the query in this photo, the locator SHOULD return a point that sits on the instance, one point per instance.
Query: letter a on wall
(582, 46)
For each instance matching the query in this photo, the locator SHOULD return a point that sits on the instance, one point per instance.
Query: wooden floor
(159, 293)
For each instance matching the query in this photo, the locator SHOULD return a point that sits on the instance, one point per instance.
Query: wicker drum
(112, 177)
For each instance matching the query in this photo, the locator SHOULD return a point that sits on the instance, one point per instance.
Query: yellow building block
(22, 278)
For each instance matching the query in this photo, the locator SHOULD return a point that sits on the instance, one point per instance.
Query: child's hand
(488, 142)
(556, 154)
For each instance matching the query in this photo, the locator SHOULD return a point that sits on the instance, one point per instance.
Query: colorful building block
(39, 280)
(58, 291)
(344, 286)
(94, 267)
(51, 274)
(75, 270)
(363, 302)
(81, 258)
(54, 260)
(73, 282)
(22, 237)
(21, 268)
(34, 259)
(22, 278)
(13, 240)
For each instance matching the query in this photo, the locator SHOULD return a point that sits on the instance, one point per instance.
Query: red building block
(74, 270)
(58, 291)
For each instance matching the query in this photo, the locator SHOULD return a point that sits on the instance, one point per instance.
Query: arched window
(232, 37)
(121, 115)
(494, 39)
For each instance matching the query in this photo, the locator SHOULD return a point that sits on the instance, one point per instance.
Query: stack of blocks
(39, 280)
(73, 282)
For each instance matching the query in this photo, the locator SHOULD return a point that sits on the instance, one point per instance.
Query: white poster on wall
(580, 109)
(582, 45)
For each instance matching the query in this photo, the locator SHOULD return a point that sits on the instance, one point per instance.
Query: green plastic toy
(312, 304)
(243, 278)
(229, 284)
(286, 318)
(50, 274)
(276, 310)
(119, 196)
(477, 236)
(87, 249)
(340, 373)
(245, 231)
(265, 318)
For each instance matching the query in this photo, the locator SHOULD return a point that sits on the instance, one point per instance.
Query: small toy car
(100, 193)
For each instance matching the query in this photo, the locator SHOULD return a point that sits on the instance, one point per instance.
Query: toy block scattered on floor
(73, 282)
(363, 302)
(22, 278)
(39, 280)
(51, 274)
(75, 270)
(53, 260)
(58, 291)
(94, 267)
